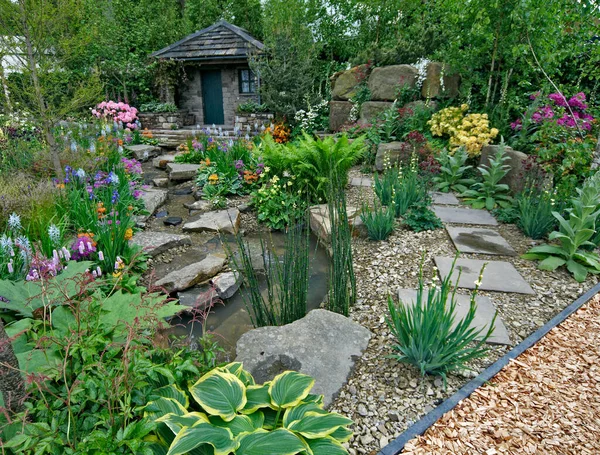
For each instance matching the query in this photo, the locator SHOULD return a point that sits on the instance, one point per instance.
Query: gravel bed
(385, 397)
(545, 401)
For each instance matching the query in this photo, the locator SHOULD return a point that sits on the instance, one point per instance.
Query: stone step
(461, 215)
(227, 221)
(478, 240)
(155, 243)
(193, 274)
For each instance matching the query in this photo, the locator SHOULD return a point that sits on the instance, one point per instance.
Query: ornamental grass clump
(427, 332)
(379, 221)
(534, 208)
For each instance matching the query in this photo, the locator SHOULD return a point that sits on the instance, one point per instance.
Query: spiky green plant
(379, 221)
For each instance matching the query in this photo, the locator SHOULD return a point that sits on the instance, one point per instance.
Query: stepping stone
(160, 182)
(437, 197)
(323, 344)
(479, 241)
(160, 162)
(498, 275)
(463, 215)
(227, 284)
(161, 214)
(182, 191)
(153, 199)
(362, 181)
(182, 172)
(142, 152)
(193, 274)
(173, 221)
(155, 243)
(483, 316)
(218, 221)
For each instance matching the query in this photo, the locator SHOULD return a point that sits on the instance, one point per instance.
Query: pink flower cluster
(561, 110)
(118, 112)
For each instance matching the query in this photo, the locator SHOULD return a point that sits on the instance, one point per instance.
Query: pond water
(230, 320)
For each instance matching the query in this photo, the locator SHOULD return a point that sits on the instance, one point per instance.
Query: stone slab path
(462, 215)
(479, 241)
(362, 181)
(483, 316)
(498, 275)
(440, 198)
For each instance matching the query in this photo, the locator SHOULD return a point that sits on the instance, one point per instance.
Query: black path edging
(396, 446)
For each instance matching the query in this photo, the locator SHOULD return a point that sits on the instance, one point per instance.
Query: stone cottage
(217, 75)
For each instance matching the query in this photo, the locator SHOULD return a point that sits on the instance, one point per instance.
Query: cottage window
(247, 81)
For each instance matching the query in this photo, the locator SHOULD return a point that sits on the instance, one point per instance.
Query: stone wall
(249, 122)
(384, 83)
(190, 93)
(166, 120)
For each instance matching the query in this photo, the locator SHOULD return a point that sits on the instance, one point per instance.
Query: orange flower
(207, 161)
(60, 186)
(250, 177)
(128, 234)
(120, 142)
(130, 207)
(213, 179)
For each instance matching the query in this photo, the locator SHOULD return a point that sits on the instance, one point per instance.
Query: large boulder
(339, 114)
(392, 153)
(323, 344)
(193, 274)
(320, 222)
(369, 110)
(432, 85)
(227, 221)
(385, 81)
(516, 176)
(344, 83)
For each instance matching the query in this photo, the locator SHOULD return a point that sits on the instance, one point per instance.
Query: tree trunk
(5, 91)
(44, 114)
(12, 386)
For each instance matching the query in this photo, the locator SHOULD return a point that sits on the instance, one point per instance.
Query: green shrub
(411, 189)
(452, 171)
(251, 107)
(420, 218)
(379, 221)
(230, 413)
(156, 106)
(278, 202)
(490, 193)
(428, 334)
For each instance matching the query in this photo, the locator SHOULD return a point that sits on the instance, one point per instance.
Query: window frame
(251, 81)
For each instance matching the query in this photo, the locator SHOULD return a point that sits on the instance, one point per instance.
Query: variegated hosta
(230, 414)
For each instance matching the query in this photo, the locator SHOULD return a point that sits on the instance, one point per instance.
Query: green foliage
(428, 334)
(286, 279)
(379, 221)
(490, 193)
(384, 186)
(313, 160)
(251, 107)
(534, 208)
(231, 414)
(573, 236)
(452, 171)
(156, 106)
(410, 190)
(278, 203)
(420, 218)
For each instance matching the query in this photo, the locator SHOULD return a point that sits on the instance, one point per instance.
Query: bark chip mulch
(547, 401)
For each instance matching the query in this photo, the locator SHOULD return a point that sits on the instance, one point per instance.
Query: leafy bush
(156, 106)
(534, 207)
(410, 190)
(452, 171)
(428, 334)
(573, 236)
(278, 202)
(379, 221)
(420, 218)
(251, 107)
(229, 413)
(490, 192)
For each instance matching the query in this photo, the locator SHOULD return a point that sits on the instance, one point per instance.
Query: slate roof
(221, 41)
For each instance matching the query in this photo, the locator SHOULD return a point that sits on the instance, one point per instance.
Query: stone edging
(396, 446)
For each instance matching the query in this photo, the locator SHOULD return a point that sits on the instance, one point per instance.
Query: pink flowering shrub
(118, 112)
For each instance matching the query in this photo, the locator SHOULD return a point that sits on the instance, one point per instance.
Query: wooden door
(212, 97)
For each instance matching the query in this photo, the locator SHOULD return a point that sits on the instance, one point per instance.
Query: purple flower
(558, 99)
(517, 125)
(239, 164)
(578, 101)
(82, 248)
(115, 197)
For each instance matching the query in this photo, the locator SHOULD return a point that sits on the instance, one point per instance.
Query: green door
(212, 96)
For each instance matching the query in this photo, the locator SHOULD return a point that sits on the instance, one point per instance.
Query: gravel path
(384, 397)
(546, 401)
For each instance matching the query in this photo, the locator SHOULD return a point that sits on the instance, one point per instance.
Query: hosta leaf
(342, 434)
(298, 412)
(174, 392)
(551, 263)
(237, 369)
(316, 425)
(220, 393)
(163, 406)
(239, 424)
(326, 446)
(257, 397)
(176, 422)
(290, 388)
(277, 442)
(579, 271)
(203, 433)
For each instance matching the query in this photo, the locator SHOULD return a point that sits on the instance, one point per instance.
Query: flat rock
(227, 284)
(173, 221)
(143, 152)
(153, 199)
(181, 171)
(483, 315)
(362, 181)
(462, 215)
(182, 191)
(161, 182)
(479, 241)
(161, 214)
(321, 225)
(437, 197)
(154, 243)
(323, 344)
(218, 221)
(160, 162)
(193, 274)
(199, 298)
(200, 205)
(498, 275)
